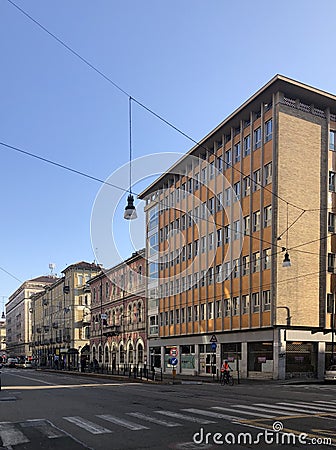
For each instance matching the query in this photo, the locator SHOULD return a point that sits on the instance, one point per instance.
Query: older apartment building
(61, 317)
(118, 327)
(240, 241)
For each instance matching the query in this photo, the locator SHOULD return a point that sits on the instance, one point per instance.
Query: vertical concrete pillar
(320, 360)
(162, 358)
(244, 360)
(196, 359)
(279, 354)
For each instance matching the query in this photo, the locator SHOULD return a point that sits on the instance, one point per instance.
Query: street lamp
(130, 211)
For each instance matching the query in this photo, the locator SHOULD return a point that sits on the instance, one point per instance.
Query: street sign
(213, 346)
(173, 351)
(173, 361)
(213, 338)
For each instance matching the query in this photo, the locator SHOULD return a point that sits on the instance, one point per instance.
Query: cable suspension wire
(130, 143)
(142, 105)
(11, 275)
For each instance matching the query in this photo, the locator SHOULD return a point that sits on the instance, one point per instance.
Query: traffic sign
(173, 361)
(173, 351)
(213, 338)
(213, 346)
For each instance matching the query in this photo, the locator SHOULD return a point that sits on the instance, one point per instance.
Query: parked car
(27, 365)
(11, 362)
(330, 374)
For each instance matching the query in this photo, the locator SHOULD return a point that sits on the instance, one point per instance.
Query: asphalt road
(40, 410)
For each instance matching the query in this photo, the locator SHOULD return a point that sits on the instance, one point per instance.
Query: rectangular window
(227, 270)
(228, 159)
(227, 307)
(171, 317)
(218, 308)
(189, 250)
(189, 314)
(247, 145)
(332, 140)
(256, 180)
(246, 265)
(268, 130)
(166, 318)
(219, 237)
(236, 230)
(236, 188)
(237, 152)
(256, 221)
(204, 175)
(255, 262)
(267, 216)
(219, 273)
(203, 278)
(177, 316)
(211, 241)
(246, 186)
(190, 281)
(202, 311)
(219, 201)
(268, 173)
(212, 170)
(177, 195)
(220, 164)
(226, 234)
(267, 258)
(195, 313)
(257, 138)
(331, 222)
(330, 303)
(183, 189)
(183, 222)
(266, 300)
(227, 197)
(196, 181)
(255, 302)
(182, 315)
(246, 225)
(211, 205)
(331, 262)
(210, 310)
(236, 268)
(197, 214)
(196, 280)
(210, 275)
(245, 304)
(204, 210)
(196, 247)
(235, 306)
(332, 181)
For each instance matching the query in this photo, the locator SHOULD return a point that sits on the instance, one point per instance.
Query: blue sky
(193, 62)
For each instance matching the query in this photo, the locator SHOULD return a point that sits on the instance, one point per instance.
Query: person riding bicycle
(225, 370)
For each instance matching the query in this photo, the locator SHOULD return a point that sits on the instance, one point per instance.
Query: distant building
(61, 317)
(2, 339)
(18, 316)
(118, 316)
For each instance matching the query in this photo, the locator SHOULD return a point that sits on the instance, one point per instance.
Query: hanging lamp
(130, 211)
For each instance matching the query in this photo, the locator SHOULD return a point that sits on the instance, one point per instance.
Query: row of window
(239, 267)
(116, 316)
(220, 308)
(193, 184)
(213, 240)
(130, 281)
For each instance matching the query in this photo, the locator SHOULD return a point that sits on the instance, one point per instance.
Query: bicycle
(227, 379)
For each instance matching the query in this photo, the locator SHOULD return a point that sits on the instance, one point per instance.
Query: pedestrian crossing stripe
(87, 425)
(124, 423)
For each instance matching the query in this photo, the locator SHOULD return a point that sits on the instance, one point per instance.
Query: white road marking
(203, 412)
(307, 408)
(44, 426)
(37, 380)
(10, 435)
(184, 417)
(249, 413)
(285, 409)
(87, 425)
(253, 407)
(124, 423)
(154, 420)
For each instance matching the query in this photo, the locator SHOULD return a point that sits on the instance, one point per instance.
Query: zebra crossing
(15, 433)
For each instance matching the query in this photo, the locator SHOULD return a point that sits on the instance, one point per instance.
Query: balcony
(111, 330)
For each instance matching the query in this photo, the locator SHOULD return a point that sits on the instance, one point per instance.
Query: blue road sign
(173, 361)
(213, 346)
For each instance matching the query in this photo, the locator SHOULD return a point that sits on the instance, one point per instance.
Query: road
(40, 410)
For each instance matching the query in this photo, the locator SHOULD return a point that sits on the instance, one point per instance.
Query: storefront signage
(261, 359)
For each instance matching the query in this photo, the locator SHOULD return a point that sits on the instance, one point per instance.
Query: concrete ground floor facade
(274, 353)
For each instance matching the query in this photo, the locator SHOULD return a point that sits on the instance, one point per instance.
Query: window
(255, 262)
(183, 222)
(197, 214)
(219, 201)
(237, 152)
(171, 317)
(177, 195)
(210, 310)
(227, 270)
(228, 159)
(236, 268)
(211, 206)
(245, 304)
(219, 273)
(227, 197)
(331, 222)
(202, 311)
(246, 225)
(196, 247)
(189, 314)
(211, 241)
(212, 170)
(227, 307)
(182, 315)
(235, 306)
(189, 251)
(203, 244)
(236, 188)
(236, 230)
(247, 145)
(190, 219)
(267, 216)
(177, 316)
(183, 189)
(266, 295)
(204, 175)
(268, 173)
(255, 302)
(256, 180)
(196, 280)
(190, 280)
(330, 303)
(203, 278)
(331, 262)
(226, 234)
(332, 140)
(256, 221)
(195, 313)
(204, 210)
(267, 258)
(166, 318)
(190, 186)
(268, 130)
(196, 181)
(246, 265)
(257, 138)
(246, 186)
(332, 181)
(220, 164)
(218, 310)
(219, 237)
(183, 253)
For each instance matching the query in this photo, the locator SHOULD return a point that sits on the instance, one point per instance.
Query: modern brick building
(118, 318)
(257, 189)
